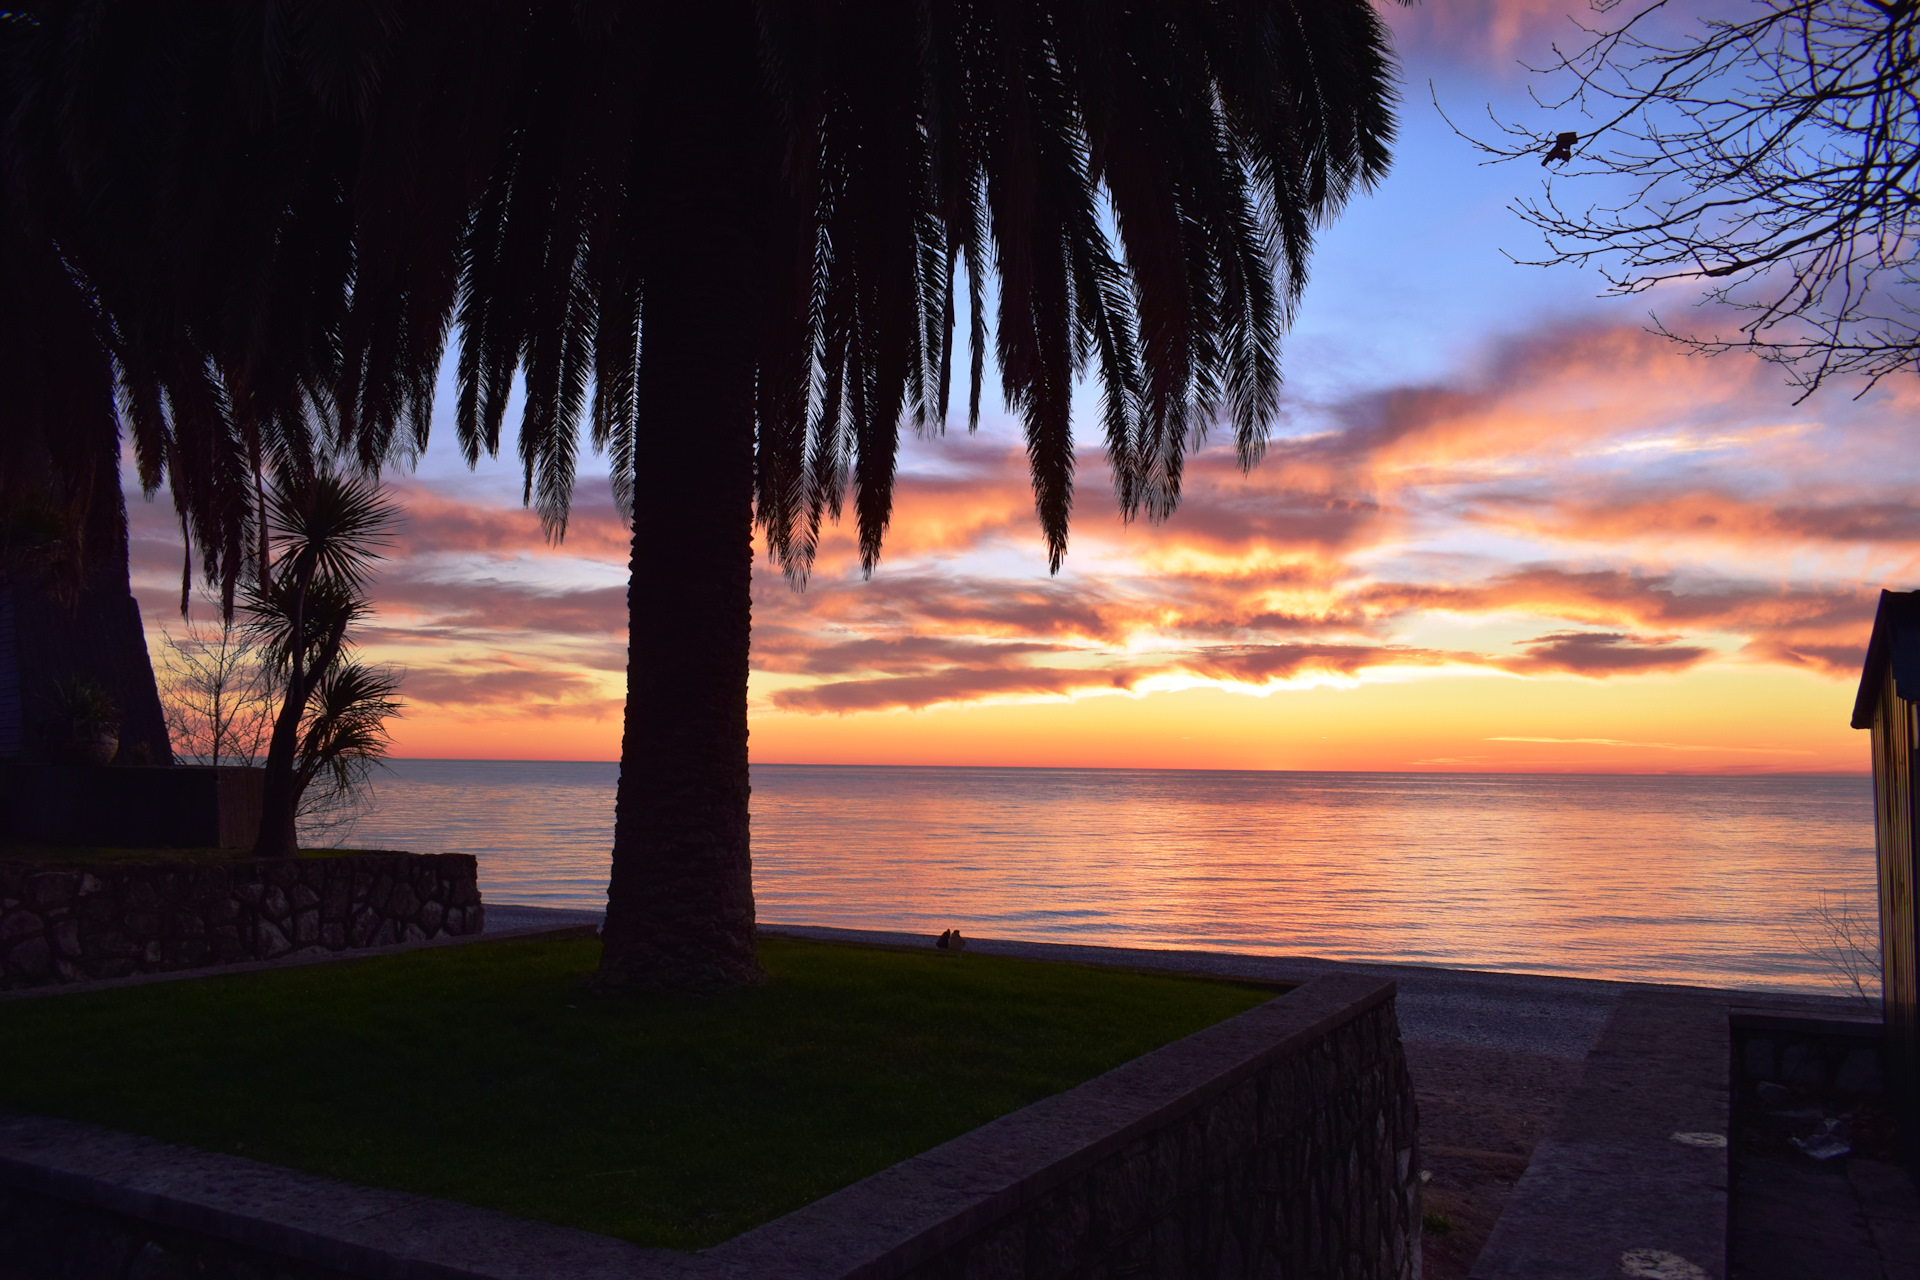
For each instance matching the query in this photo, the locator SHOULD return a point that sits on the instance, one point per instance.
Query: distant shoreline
(1864, 774)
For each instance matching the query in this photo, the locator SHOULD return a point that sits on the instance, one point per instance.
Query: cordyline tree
(731, 236)
(325, 532)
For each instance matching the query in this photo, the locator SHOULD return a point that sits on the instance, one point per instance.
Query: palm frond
(277, 214)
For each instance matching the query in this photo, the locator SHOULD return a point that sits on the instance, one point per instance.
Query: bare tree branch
(1771, 157)
(218, 690)
(1847, 942)
(215, 692)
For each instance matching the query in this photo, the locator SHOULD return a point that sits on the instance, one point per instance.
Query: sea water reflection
(1671, 879)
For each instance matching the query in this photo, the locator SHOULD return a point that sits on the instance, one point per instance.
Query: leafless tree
(1847, 942)
(331, 808)
(215, 691)
(1769, 155)
(220, 693)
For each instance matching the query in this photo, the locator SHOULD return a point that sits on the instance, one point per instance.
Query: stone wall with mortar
(1278, 1143)
(1827, 1059)
(74, 922)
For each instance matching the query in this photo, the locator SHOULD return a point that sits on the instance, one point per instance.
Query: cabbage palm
(325, 533)
(733, 237)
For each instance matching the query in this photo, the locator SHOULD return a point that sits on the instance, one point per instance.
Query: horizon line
(1109, 768)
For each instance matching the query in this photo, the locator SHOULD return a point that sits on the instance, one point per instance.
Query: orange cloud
(428, 607)
(999, 672)
(1705, 514)
(525, 690)
(1613, 595)
(1537, 405)
(1582, 505)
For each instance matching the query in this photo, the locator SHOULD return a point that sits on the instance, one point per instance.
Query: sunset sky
(1500, 527)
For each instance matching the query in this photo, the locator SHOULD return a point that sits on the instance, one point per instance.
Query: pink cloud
(1604, 653)
(1329, 559)
(429, 606)
(1486, 35)
(444, 523)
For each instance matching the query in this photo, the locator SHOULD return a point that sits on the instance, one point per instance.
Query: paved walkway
(1633, 1179)
(1855, 1219)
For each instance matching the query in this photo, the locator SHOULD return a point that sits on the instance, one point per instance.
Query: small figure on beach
(951, 940)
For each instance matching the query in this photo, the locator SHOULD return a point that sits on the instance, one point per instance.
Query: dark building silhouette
(1889, 704)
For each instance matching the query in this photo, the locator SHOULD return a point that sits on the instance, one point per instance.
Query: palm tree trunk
(680, 902)
(63, 518)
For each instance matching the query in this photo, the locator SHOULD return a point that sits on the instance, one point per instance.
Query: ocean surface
(1719, 881)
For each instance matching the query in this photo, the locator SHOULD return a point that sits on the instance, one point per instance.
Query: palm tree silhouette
(732, 238)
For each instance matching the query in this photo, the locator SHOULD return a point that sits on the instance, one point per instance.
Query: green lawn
(487, 1073)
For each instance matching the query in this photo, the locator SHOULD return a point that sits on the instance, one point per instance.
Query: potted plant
(85, 725)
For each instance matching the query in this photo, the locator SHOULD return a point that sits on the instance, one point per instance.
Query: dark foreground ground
(1492, 1055)
(1495, 1058)
(494, 1076)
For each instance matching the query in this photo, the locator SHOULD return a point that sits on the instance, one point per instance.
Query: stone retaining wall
(71, 923)
(1834, 1060)
(1278, 1143)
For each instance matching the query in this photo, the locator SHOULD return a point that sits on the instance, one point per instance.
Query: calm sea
(1670, 879)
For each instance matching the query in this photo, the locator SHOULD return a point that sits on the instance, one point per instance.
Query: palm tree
(235, 202)
(729, 235)
(740, 225)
